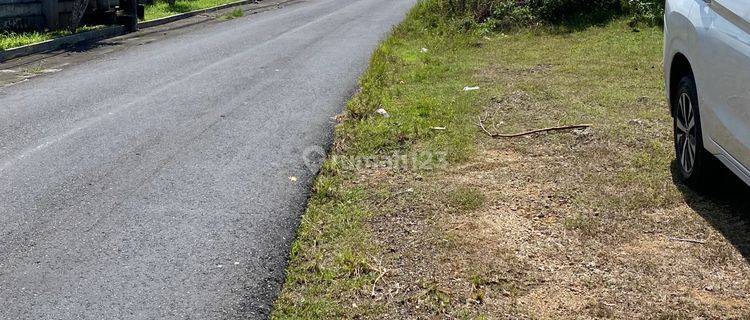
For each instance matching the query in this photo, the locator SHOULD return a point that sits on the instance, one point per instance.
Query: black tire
(694, 163)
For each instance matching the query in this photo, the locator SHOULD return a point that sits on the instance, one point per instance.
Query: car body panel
(714, 36)
(727, 90)
(679, 35)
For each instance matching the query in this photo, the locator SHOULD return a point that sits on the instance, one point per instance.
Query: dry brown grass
(531, 252)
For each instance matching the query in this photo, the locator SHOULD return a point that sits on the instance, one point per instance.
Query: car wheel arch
(680, 67)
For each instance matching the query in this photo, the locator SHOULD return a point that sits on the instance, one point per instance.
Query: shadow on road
(725, 203)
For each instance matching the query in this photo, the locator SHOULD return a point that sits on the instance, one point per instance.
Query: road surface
(155, 183)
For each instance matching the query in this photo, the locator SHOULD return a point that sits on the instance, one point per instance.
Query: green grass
(330, 254)
(10, 40)
(466, 198)
(161, 9)
(332, 258)
(420, 90)
(234, 14)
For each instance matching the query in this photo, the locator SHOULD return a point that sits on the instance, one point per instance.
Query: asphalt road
(155, 183)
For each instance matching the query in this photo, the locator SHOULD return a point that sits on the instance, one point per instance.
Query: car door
(726, 95)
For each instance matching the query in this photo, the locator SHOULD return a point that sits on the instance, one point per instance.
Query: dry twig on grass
(375, 283)
(381, 272)
(480, 124)
(687, 240)
(397, 194)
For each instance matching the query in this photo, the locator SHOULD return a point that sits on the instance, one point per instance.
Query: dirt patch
(533, 249)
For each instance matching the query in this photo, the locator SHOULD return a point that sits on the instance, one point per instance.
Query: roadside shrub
(558, 11)
(648, 12)
(509, 14)
(513, 13)
(523, 10)
(480, 10)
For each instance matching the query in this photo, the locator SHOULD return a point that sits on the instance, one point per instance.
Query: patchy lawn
(584, 223)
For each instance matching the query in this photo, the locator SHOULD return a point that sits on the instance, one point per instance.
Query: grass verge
(580, 224)
(9, 40)
(161, 9)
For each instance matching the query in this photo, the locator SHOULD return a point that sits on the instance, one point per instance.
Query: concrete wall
(20, 14)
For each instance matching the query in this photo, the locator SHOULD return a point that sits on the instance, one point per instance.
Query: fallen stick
(397, 194)
(688, 240)
(381, 270)
(382, 273)
(515, 135)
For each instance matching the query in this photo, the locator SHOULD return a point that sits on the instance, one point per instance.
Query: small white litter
(471, 88)
(383, 113)
(425, 50)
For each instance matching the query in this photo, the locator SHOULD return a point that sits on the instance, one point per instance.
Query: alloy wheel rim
(686, 135)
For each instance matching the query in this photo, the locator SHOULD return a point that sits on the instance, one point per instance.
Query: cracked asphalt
(156, 182)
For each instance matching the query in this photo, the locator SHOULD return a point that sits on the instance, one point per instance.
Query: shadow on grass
(86, 46)
(724, 201)
(582, 23)
(183, 6)
(596, 19)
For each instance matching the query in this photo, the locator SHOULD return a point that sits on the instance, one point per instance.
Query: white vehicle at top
(707, 73)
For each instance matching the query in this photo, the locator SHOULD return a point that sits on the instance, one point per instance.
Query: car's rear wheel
(693, 160)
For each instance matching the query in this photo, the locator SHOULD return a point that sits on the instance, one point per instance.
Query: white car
(707, 75)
